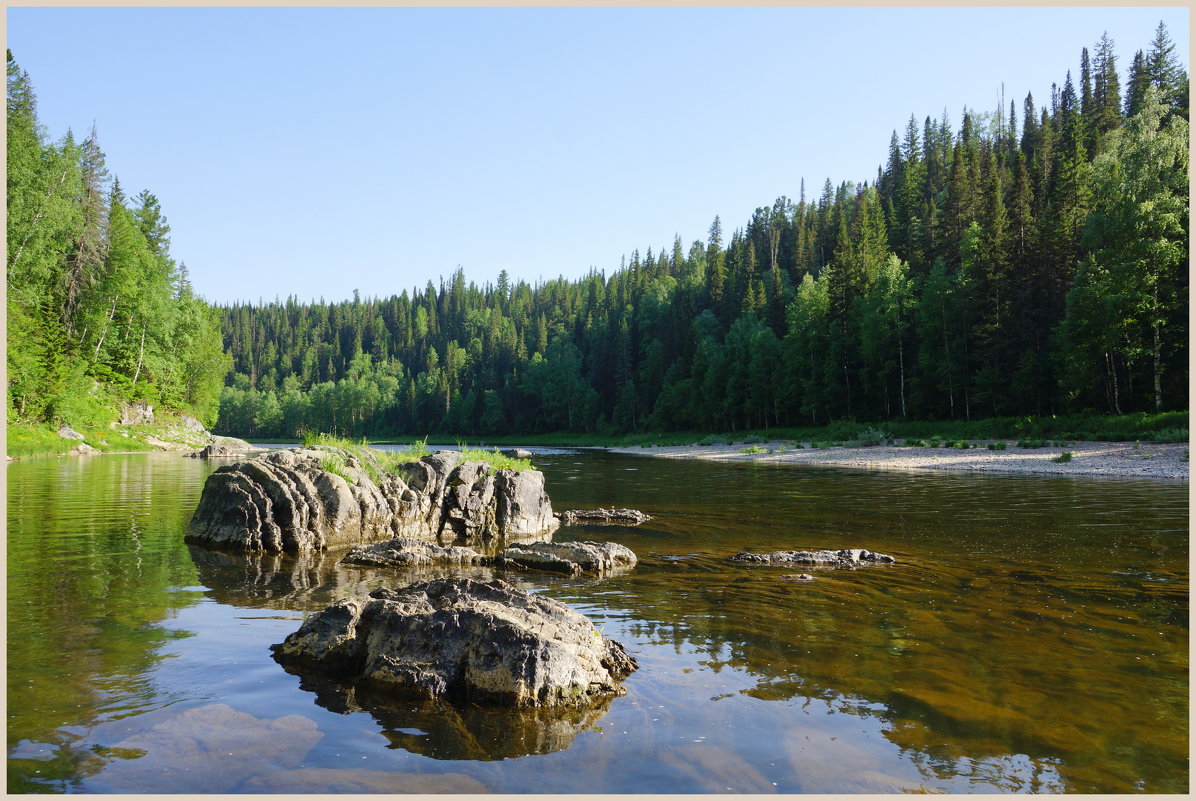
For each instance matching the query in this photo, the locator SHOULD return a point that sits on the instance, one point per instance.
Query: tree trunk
(104, 333)
(140, 354)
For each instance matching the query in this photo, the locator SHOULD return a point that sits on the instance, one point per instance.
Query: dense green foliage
(98, 311)
(1007, 269)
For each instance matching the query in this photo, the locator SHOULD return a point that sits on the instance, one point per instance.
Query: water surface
(1032, 637)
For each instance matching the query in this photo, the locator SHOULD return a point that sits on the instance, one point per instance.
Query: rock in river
(405, 552)
(462, 639)
(569, 557)
(845, 557)
(604, 517)
(308, 499)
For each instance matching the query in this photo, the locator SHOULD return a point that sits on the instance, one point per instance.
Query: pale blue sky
(315, 151)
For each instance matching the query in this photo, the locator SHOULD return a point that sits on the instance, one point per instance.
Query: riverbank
(1096, 459)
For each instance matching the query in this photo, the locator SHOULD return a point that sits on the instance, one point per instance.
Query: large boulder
(845, 557)
(462, 640)
(310, 499)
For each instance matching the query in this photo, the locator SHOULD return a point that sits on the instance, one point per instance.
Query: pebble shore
(1095, 459)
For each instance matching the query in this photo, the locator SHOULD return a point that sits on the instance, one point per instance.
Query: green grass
(42, 439)
(36, 440)
(1063, 457)
(496, 460)
(379, 463)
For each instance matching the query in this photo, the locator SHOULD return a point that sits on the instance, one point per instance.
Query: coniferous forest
(1031, 260)
(1028, 260)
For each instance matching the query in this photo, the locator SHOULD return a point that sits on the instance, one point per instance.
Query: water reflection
(456, 731)
(1033, 636)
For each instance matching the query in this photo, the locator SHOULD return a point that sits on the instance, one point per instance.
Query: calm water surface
(1032, 637)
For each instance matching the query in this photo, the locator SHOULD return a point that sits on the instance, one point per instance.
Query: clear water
(1032, 637)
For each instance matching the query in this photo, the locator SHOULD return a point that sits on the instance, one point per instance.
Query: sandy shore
(1098, 459)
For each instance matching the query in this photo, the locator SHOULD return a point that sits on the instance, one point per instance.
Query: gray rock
(214, 451)
(604, 517)
(69, 433)
(83, 449)
(846, 557)
(189, 423)
(310, 499)
(136, 413)
(518, 453)
(404, 552)
(462, 640)
(570, 557)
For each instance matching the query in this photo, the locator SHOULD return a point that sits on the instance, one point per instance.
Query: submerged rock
(406, 552)
(309, 499)
(569, 557)
(846, 557)
(608, 517)
(460, 639)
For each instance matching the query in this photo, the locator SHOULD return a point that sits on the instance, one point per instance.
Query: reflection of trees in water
(447, 730)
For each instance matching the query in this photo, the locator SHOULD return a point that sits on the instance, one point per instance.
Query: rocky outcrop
(846, 557)
(69, 433)
(189, 423)
(604, 517)
(136, 413)
(518, 453)
(462, 640)
(569, 557)
(310, 499)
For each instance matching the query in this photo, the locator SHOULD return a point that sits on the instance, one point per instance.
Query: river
(1031, 637)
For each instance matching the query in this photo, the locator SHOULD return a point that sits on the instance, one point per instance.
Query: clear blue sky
(321, 150)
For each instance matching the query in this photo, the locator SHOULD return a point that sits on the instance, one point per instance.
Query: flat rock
(462, 640)
(518, 453)
(845, 557)
(83, 449)
(569, 557)
(405, 552)
(607, 517)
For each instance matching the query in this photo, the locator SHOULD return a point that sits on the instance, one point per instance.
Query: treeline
(1030, 263)
(98, 311)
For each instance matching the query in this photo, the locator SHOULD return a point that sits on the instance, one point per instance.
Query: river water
(1031, 637)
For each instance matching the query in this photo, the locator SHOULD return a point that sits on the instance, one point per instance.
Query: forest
(98, 311)
(1031, 261)
(1028, 263)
